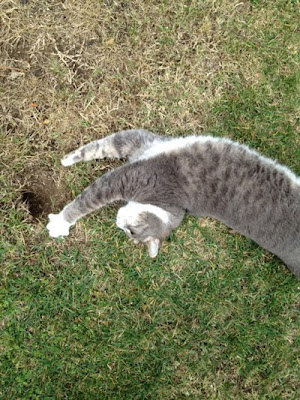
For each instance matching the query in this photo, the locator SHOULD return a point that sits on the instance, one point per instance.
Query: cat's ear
(153, 247)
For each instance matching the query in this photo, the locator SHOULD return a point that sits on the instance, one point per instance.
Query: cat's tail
(118, 145)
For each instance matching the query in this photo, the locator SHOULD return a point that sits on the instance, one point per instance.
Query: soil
(42, 194)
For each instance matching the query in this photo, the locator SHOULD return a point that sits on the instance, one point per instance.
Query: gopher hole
(42, 194)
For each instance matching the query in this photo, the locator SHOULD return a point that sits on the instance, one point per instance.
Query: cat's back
(220, 158)
(221, 175)
(247, 191)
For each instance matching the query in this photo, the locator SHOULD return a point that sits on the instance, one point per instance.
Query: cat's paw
(57, 225)
(69, 159)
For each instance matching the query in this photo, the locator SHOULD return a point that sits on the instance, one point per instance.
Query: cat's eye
(130, 231)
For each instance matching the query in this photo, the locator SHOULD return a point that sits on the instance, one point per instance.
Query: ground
(90, 316)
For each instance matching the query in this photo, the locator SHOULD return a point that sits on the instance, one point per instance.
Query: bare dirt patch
(42, 193)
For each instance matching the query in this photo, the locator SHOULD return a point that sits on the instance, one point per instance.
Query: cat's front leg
(124, 183)
(57, 225)
(118, 145)
(98, 149)
(104, 190)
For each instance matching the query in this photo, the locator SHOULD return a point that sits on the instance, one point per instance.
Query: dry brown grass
(72, 71)
(209, 318)
(86, 70)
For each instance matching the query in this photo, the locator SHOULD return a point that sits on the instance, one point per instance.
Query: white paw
(58, 226)
(68, 160)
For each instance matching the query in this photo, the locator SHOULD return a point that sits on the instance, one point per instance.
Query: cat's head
(144, 223)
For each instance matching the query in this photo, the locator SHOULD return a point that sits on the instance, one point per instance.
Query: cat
(202, 175)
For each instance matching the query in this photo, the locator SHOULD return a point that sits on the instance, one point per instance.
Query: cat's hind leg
(118, 145)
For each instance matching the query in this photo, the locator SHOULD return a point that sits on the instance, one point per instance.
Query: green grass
(91, 316)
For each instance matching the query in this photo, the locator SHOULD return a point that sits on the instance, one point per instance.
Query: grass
(91, 316)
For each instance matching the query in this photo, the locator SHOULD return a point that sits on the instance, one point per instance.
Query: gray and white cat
(201, 175)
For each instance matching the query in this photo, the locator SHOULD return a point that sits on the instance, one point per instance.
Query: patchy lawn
(91, 316)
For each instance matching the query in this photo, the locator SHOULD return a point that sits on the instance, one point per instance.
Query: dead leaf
(110, 42)
(15, 75)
